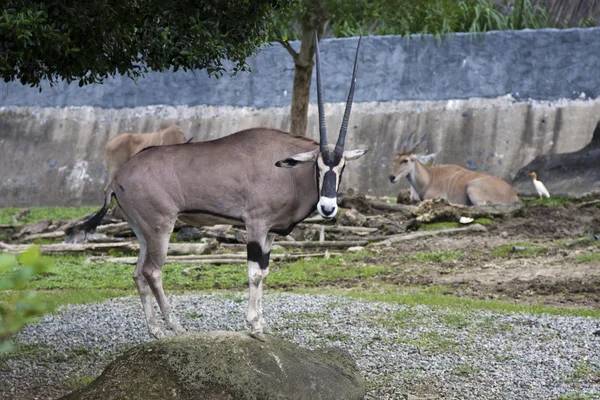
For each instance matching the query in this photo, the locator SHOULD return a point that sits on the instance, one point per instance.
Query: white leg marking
(255, 277)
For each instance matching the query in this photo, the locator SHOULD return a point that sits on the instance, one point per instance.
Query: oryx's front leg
(259, 248)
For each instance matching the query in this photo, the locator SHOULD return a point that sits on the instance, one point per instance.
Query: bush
(19, 307)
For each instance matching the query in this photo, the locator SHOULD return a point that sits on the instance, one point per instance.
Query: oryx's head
(405, 159)
(330, 160)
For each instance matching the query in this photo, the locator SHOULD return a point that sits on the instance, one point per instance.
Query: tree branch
(289, 48)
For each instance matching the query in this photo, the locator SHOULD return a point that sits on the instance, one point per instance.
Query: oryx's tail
(93, 222)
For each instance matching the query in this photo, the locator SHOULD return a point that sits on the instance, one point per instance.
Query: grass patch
(78, 382)
(586, 371)
(433, 342)
(39, 213)
(436, 256)
(484, 221)
(436, 226)
(553, 201)
(433, 297)
(578, 396)
(588, 257)
(465, 370)
(522, 249)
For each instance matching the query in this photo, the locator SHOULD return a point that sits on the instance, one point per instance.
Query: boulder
(569, 174)
(226, 365)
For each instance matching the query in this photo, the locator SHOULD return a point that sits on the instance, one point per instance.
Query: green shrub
(18, 310)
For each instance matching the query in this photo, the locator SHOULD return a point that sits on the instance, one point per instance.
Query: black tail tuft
(95, 220)
(92, 223)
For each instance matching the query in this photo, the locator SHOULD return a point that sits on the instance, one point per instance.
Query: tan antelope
(262, 179)
(122, 147)
(454, 183)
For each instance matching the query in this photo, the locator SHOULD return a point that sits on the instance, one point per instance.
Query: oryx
(451, 182)
(233, 180)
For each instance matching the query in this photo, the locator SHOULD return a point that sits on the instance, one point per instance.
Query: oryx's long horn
(322, 127)
(339, 147)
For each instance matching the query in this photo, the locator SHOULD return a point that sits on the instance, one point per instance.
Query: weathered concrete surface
(226, 366)
(565, 173)
(545, 64)
(52, 156)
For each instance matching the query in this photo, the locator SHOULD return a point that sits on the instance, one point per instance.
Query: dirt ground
(547, 254)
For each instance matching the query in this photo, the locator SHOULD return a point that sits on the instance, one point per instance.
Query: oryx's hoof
(156, 332)
(177, 328)
(258, 336)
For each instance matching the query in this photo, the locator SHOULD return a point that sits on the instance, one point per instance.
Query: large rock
(570, 174)
(226, 365)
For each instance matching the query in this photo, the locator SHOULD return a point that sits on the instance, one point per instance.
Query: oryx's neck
(419, 177)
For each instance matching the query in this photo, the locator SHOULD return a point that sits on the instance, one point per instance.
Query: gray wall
(545, 65)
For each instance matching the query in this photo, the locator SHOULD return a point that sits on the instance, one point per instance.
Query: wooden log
(389, 240)
(588, 203)
(20, 216)
(326, 244)
(174, 248)
(236, 258)
(340, 228)
(46, 235)
(71, 248)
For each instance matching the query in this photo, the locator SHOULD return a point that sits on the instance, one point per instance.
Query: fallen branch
(235, 258)
(588, 203)
(174, 248)
(363, 204)
(340, 228)
(20, 216)
(71, 248)
(389, 240)
(46, 235)
(327, 244)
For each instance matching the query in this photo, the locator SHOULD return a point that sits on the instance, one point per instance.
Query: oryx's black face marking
(329, 167)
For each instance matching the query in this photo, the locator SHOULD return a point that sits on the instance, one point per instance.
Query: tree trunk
(314, 18)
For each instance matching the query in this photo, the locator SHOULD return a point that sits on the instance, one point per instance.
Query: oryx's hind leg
(259, 247)
(142, 284)
(152, 271)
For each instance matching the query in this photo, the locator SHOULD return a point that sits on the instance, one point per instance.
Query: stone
(226, 366)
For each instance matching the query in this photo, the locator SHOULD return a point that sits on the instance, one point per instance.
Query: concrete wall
(51, 156)
(488, 102)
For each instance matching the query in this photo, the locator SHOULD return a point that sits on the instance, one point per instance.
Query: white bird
(539, 186)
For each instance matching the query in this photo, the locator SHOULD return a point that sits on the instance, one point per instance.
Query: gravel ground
(403, 352)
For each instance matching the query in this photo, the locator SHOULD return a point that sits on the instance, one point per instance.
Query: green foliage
(436, 226)
(553, 201)
(407, 17)
(25, 307)
(588, 257)
(522, 249)
(89, 41)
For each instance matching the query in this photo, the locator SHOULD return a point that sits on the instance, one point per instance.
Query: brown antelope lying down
(451, 182)
(234, 180)
(120, 148)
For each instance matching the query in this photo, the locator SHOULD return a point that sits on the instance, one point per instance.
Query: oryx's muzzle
(327, 207)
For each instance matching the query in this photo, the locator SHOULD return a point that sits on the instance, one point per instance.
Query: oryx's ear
(354, 154)
(298, 159)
